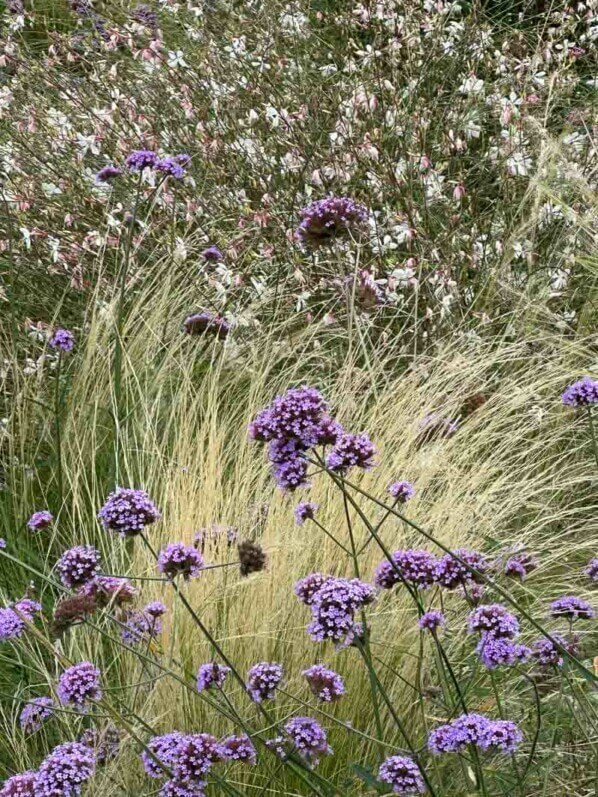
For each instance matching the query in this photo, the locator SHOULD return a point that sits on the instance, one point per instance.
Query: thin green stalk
(593, 433)
(58, 431)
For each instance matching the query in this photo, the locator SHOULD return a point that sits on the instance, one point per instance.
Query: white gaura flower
(519, 164)
(175, 59)
(472, 85)
(549, 213)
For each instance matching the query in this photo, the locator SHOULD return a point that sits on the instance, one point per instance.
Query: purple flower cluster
(295, 422)
(211, 676)
(141, 159)
(21, 785)
(40, 520)
(128, 511)
(452, 572)
(308, 739)
(194, 756)
(306, 588)
(349, 451)
(108, 173)
(519, 565)
(212, 254)
(35, 713)
(206, 323)
(238, 748)
(12, 624)
(263, 679)
(431, 620)
(500, 652)
(62, 339)
(401, 491)
(583, 393)
(171, 165)
(333, 607)
(546, 653)
(475, 729)
(493, 619)
(164, 749)
(78, 684)
(591, 570)
(178, 559)
(417, 567)
(326, 684)
(64, 772)
(331, 218)
(572, 608)
(78, 565)
(403, 774)
(305, 510)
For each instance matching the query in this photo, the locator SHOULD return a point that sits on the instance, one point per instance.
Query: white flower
(175, 59)
(472, 85)
(548, 214)
(519, 164)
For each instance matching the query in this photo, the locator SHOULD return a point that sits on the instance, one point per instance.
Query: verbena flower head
(415, 566)
(402, 774)
(105, 742)
(164, 748)
(62, 339)
(306, 588)
(108, 173)
(64, 772)
(546, 653)
(308, 739)
(572, 607)
(78, 684)
(211, 676)
(141, 627)
(451, 573)
(431, 620)
(238, 748)
(494, 619)
(334, 607)
(263, 680)
(583, 393)
(194, 756)
(326, 684)
(72, 610)
(145, 16)
(456, 735)
(155, 609)
(128, 511)
(176, 788)
(520, 565)
(141, 159)
(106, 590)
(306, 510)
(591, 570)
(500, 652)
(78, 565)
(171, 166)
(293, 415)
(2, 544)
(178, 559)
(279, 746)
(252, 558)
(349, 451)
(11, 625)
(28, 607)
(289, 466)
(401, 491)
(502, 735)
(40, 520)
(212, 254)
(327, 220)
(35, 713)
(21, 785)
(206, 323)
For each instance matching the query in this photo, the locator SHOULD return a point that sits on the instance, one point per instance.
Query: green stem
(58, 431)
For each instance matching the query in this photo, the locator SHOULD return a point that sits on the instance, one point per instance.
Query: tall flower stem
(593, 433)
(58, 430)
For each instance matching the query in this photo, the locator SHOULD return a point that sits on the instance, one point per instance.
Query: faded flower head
(403, 775)
(263, 679)
(326, 684)
(78, 684)
(35, 713)
(308, 739)
(40, 520)
(178, 559)
(65, 770)
(583, 393)
(105, 742)
(401, 491)
(128, 511)
(72, 610)
(78, 565)
(211, 676)
(572, 607)
(326, 220)
(252, 558)
(107, 590)
(207, 323)
(519, 565)
(62, 339)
